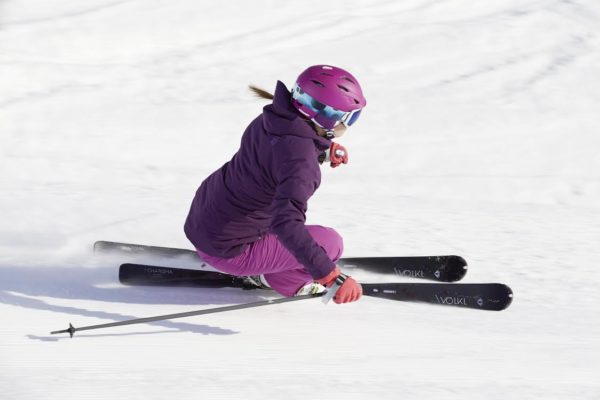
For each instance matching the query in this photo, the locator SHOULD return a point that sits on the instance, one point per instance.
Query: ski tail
(103, 246)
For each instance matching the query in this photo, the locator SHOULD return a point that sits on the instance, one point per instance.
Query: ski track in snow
(480, 139)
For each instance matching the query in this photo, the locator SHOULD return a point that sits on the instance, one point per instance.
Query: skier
(248, 217)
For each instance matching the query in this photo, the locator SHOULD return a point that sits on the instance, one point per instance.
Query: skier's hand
(338, 154)
(348, 291)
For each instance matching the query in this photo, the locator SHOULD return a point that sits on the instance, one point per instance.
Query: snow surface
(481, 138)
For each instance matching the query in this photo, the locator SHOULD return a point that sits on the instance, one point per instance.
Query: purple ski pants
(270, 258)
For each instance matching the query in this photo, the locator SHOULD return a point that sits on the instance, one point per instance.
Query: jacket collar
(281, 118)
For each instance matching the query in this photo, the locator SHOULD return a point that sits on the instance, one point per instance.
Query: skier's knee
(337, 245)
(328, 238)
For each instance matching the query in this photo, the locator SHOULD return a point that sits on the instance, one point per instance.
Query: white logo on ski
(450, 300)
(413, 273)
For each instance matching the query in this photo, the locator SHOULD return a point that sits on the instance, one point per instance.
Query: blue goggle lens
(354, 117)
(326, 116)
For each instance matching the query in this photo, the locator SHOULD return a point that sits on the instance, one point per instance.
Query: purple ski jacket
(263, 189)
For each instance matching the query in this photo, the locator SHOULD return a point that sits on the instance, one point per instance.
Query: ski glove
(338, 154)
(348, 290)
(335, 155)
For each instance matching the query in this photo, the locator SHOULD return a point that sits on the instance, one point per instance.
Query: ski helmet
(328, 95)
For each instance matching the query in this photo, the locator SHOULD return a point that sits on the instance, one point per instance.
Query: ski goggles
(326, 116)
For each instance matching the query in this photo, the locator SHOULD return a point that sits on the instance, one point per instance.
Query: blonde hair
(260, 93)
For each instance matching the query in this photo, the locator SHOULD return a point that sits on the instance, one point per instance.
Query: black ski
(482, 296)
(150, 275)
(437, 268)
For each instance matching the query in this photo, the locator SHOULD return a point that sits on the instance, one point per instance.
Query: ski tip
(460, 260)
(509, 296)
(503, 297)
(456, 269)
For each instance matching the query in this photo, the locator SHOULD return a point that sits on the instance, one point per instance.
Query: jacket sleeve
(297, 175)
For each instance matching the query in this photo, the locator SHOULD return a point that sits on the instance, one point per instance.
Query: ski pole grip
(339, 281)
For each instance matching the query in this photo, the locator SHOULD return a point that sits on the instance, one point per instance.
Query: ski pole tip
(70, 331)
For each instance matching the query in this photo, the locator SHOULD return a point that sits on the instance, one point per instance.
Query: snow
(480, 138)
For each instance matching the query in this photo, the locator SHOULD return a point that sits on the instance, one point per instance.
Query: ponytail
(260, 93)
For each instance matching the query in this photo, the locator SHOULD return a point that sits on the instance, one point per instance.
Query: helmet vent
(317, 83)
(326, 74)
(344, 88)
(349, 80)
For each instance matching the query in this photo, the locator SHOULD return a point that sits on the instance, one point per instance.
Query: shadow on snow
(28, 286)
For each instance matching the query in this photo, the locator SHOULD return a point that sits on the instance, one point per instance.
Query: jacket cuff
(328, 279)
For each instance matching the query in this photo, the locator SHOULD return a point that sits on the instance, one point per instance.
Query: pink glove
(349, 291)
(338, 154)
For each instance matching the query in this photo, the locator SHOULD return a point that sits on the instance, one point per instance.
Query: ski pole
(71, 330)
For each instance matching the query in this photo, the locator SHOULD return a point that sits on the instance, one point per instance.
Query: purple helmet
(328, 95)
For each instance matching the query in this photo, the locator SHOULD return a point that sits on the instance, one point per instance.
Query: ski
(482, 296)
(150, 275)
(446, 268)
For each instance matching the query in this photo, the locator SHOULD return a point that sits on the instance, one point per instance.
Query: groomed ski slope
(480, 138)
